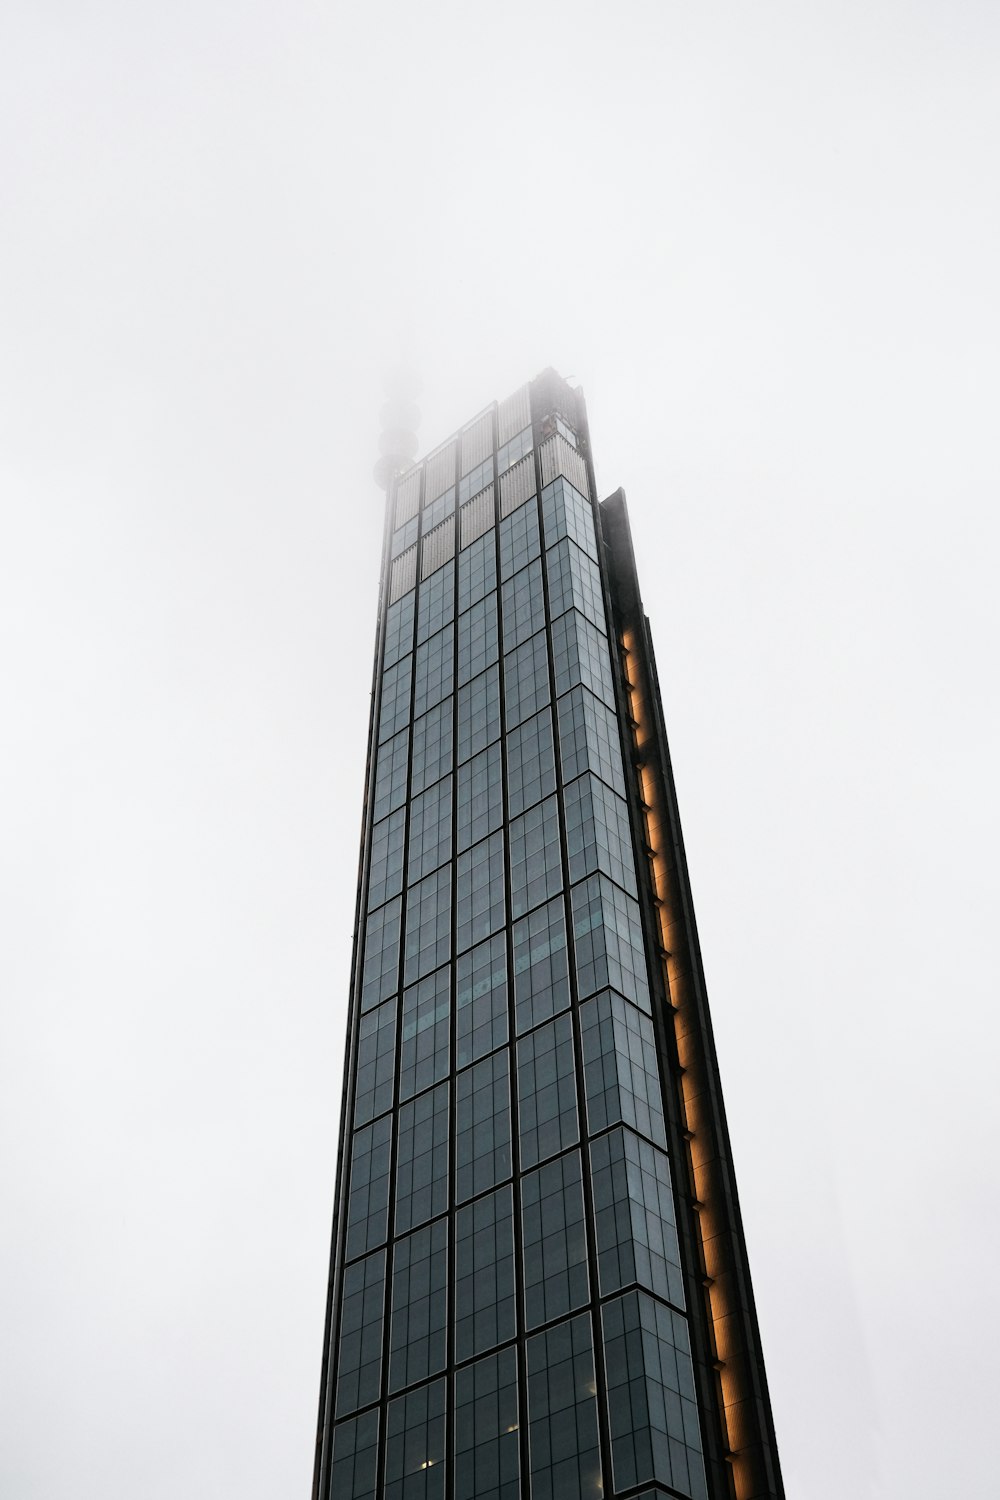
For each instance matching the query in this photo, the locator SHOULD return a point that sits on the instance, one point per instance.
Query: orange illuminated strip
(710, 1222)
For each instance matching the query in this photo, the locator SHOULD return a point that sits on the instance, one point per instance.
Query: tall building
(539, 1286)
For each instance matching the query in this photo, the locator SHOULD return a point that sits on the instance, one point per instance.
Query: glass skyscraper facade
(538, 1283)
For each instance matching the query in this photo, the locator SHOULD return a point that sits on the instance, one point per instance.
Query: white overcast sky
(764, 238)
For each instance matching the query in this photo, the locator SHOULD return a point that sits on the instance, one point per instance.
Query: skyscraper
(539, 1284)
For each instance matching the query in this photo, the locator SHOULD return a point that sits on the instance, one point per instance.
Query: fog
(764, 240)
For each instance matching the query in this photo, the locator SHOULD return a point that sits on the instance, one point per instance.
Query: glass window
(589, 739)
(655, 1432)
(422, 1162)
(438, 509)
(404, 536)
(399, 619)
(355, 1458)
(546, 1092)
(481, 1002)
(482, 1139)
(376, 1062)
(580, 657)
(531, 762)
(395, 710)
(487, 1460)
(598, 834)
(574, 583)
(478, 642)
(477, 571)
(380, 976)
(435, 671)
(385, 873)
(359, 1354)
(390, 775)
(607, 933)
(526, 680)
(432, 746)
(509, 454)
(523, 606)
(484, 1274)
(562, 1413)
(535, 857)
(634, 1213)
(479, 885)
(480, 797)
(619, 1060)
(565, 430)
(430, 830)
(565, 513)
(553, 1227)
(478, 713)
(541, 972)
(428, 925)
(368, 1202)
(437, 603)
(423, 1057)
(418, 1333)
(477, 479)
(414, 1444)
(520, 542)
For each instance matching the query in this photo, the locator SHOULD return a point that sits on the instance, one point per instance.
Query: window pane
(478, 642)
(562, 1413)
(487, 1458)
(598, 835)
(432, 746)
(399, 629)
(531, 765)
(479, 884)
(607, 933)
(635, 1223)
(481, 1000)
(368, 1201)
(435, 670)
(423, 1057)
(565, 513)
(376, 1062)
(430, 830)
(589, 739)
(414, 1444)
(622, 1080)
(555, 1241)
(546, 1092)
(482, 1141)
(484, 1274)
(477, 571)
(437, 602)
(422, 1161)
(520, 543)
(541, 972)
(395, 703)
(526, 680)
(428, 925)
(580, 657)
(523, 606)
(478, 714)
(359, 1354)
(574, 583)
(385, 873)
(480, 797)
(355, 1458)
(380, 976)
(535, 857)
(390, 774)
(418, 1334)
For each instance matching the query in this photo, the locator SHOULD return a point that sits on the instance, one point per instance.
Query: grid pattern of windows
(574, 583)
(589, 739)
(480, 890)
(368, 1199)
(437, 603)
(435, 670)
(598, 836)
(484, 1274)
(565, 513)
(608, 935)
(541, 970)
(381, 968)
(385, 876)
(424, 1052)
(362, 1312)
(481, 1000)
(376, 1062)
(404, 536)
(546, 1091)
(430, 830)
(482, 1127)
(526, 680)
(655, 1433)
(354, 1460)
(580, 658)
(531, 766)
(478, 642)
(523, 606)
(395, 711)
(535, 857)
(438, 510)
(475, 480)
(555, 1241)
(415, 1444)
(418, 1331)
(480, 797)
(399, 618)
(478, 713)
(620, 1070)
(390, 774)
(634, 1211)
(477, 570)
(509, 453)
(562, 1413)
(487, 1457)
(520, 542)
(428, 925)
(432, 752)
(422, 1159)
